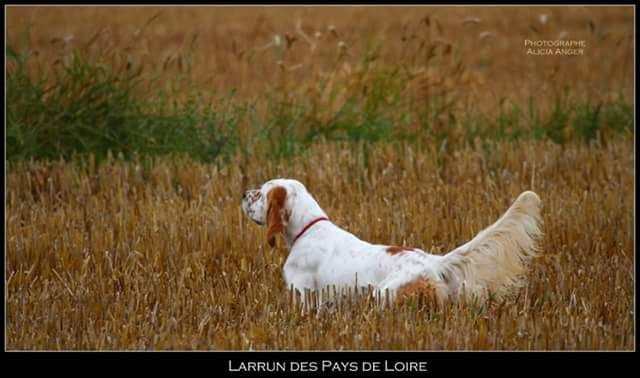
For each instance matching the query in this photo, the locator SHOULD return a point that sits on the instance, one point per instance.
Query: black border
(217, 363)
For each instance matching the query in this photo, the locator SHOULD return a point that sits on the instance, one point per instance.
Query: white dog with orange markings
(324, 255)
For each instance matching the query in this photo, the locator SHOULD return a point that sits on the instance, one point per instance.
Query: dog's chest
(300, 270)
(334, 267)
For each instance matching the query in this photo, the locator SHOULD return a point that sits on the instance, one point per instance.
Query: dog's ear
(276, 213)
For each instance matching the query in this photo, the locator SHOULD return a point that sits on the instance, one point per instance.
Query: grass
(128, 255)
(100, 97)
(233, 47)
(93, 108)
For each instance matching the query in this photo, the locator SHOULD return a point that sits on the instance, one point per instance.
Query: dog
(324, 255)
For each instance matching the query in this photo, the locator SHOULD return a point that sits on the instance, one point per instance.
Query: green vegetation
(88, 105)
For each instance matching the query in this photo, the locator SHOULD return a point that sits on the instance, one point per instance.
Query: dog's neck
(306, 211)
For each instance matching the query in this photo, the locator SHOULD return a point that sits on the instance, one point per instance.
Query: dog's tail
(496, 259)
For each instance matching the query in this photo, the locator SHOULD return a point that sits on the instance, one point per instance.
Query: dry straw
(156, 256)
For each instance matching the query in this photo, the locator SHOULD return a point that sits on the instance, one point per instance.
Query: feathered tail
(496, 259)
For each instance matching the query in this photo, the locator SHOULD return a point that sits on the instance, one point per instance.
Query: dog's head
(283, 205)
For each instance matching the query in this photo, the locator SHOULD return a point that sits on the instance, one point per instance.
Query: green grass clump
(95, 108)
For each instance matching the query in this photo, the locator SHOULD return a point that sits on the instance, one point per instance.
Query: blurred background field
(213, 81)
(132, 131)
(226, 47)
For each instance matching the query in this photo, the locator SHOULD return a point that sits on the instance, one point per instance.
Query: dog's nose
(244, 195)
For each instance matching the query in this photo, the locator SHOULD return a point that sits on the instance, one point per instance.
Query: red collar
(307, 227)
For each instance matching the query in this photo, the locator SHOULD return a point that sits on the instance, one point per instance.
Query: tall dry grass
(249, 49)
(159, 256)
